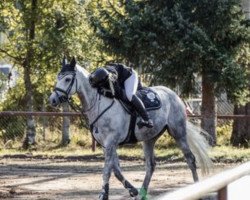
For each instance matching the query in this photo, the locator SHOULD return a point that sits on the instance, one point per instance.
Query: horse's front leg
(108, 166)
(118, 174)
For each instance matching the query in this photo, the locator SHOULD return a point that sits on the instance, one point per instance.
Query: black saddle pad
(150, 98)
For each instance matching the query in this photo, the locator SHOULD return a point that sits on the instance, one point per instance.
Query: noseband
(65, 97)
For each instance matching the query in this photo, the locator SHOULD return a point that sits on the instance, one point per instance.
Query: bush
(224, 132)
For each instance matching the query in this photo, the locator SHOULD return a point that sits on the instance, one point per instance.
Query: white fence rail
(217, 183)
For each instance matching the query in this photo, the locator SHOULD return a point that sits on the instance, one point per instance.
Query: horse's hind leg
(189, 156)
(179, 133)
(148, 148)
(118, 174)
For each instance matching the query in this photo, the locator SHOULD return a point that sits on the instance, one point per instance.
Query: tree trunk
(30, 128)
(241, 127)
(44, 119)
(208, 108)
(65, 127)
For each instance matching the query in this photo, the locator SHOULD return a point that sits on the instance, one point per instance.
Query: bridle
(65, 97)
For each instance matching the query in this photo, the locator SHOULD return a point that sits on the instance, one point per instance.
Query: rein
(77, 108)
(91, 107)
(99, 116)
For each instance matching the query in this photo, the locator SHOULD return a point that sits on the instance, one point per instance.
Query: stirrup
(148, 124)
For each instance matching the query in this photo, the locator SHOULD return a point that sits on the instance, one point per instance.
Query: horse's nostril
(53, 101)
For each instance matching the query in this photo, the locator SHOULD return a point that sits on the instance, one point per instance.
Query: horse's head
(66, 84)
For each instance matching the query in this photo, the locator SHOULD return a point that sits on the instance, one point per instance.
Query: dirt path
(61, 179)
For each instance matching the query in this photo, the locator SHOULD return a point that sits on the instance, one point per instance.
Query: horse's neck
(85, 92)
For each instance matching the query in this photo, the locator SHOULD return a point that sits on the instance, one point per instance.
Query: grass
(218, 154)
(166, 149)
(229, 153)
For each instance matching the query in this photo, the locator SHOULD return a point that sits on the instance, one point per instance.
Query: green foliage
(178, 39)
(165, 141)
(224, 132)
(39, 33)
(60, 29)
(3, 81)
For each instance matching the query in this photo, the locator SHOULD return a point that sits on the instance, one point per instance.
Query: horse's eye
(67, 80)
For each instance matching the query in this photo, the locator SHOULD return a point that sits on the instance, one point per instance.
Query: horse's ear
(73, 62)
(64, 62)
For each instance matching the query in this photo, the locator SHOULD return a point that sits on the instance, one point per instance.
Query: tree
(241, 127)
(38, 34)
(11, 18)
(176, 40)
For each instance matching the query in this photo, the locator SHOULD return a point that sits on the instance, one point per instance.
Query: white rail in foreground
(217, 183)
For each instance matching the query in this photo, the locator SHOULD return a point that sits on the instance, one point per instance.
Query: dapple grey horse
(111, 128)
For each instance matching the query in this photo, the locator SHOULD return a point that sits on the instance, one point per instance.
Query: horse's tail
(199, 146)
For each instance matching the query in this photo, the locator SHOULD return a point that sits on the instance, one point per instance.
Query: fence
(49, 128)
(217, 183)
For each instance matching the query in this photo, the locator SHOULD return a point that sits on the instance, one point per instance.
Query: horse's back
(168, 96)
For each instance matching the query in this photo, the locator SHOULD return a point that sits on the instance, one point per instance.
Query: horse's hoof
(103, 196)
(133, 192)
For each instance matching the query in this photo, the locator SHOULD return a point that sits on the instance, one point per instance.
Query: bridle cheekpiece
(65, 97)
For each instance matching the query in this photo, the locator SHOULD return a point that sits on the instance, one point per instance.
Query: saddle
(151, 101)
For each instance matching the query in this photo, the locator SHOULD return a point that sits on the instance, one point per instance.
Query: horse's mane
(82, 70)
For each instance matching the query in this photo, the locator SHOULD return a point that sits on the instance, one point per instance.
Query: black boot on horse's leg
(104, 195)
(139, 106)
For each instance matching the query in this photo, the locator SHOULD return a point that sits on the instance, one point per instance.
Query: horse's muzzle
(54, 100)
